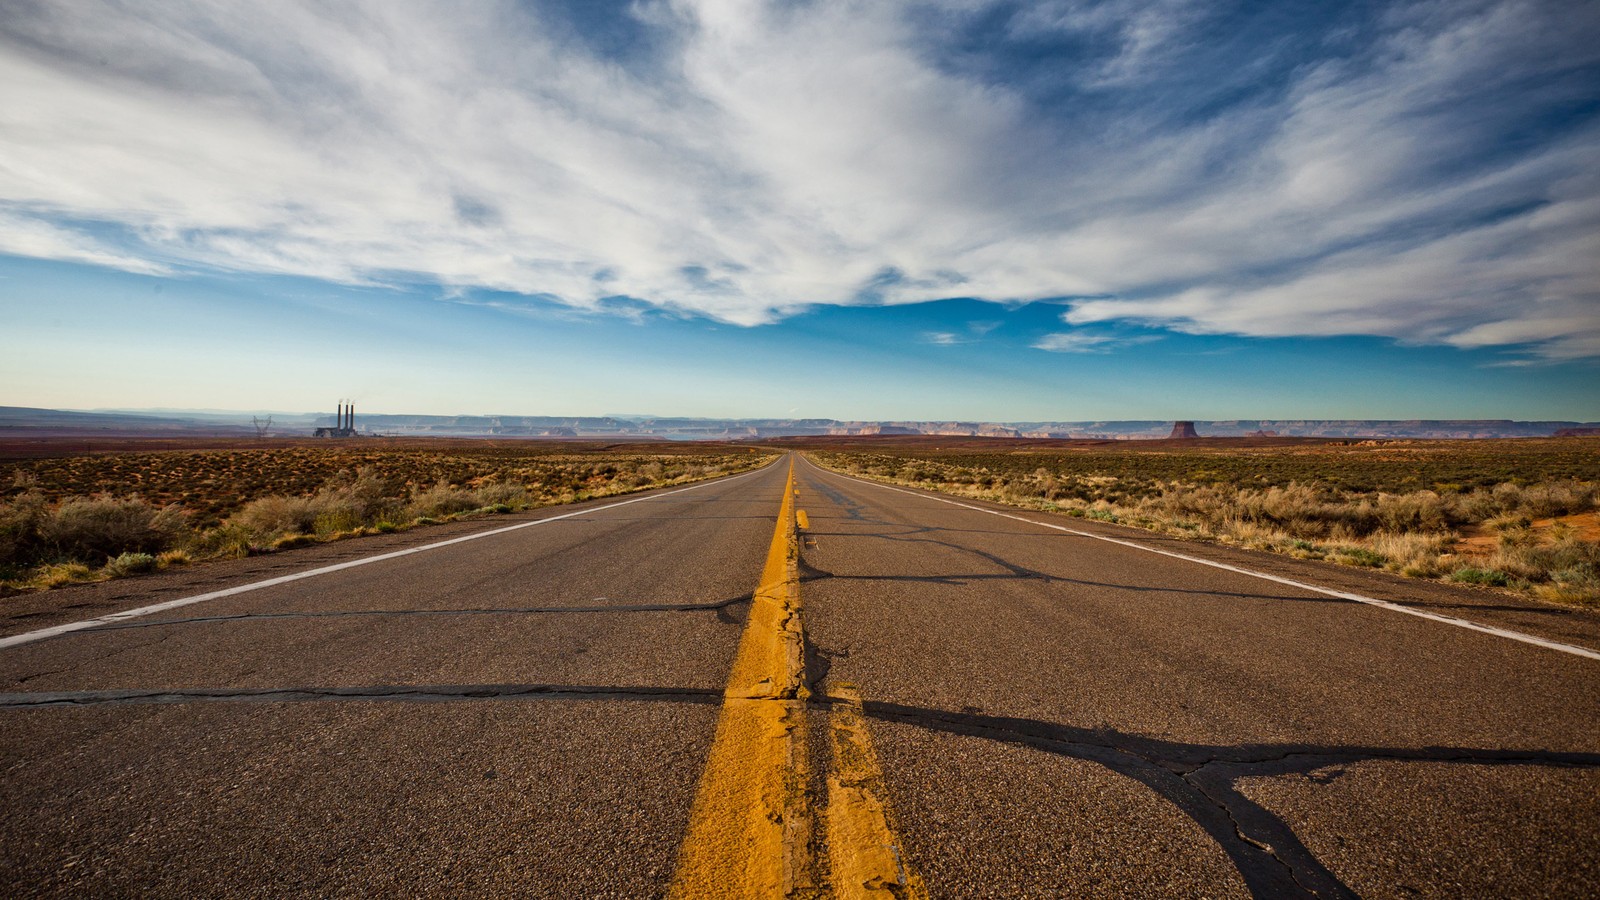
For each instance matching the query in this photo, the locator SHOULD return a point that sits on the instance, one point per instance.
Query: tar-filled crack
(1198, 780)
(720, 607)
(812, 573)
(1016, 572)
(851, 509)
(415, 693)
(818, 663)
(1303, 868)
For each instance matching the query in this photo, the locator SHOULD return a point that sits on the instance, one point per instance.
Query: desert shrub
(1569, 560)
(1475, 506)
(1416, 511)
(1473, 575)
(279, 515)
(365, 496)
(345, 503)
(1559, 498)
(61, 573)
(1412, 553)
(336, 518)
(509, 494)
(290, 541)
(1506, 496)
(20, 520)
(227, 541)
(443, 499)
(131, 564)
(104, 526)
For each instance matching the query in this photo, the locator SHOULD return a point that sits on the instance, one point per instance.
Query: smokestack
(338, 417)
(352, 413)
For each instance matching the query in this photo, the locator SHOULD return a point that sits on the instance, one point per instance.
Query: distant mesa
(883, 429)
(29, 423)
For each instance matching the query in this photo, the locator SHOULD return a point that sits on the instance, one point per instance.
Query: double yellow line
(751, 830)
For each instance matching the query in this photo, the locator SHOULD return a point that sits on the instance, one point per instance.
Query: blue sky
(863, 210)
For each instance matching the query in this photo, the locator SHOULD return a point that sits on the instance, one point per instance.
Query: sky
(855, 209)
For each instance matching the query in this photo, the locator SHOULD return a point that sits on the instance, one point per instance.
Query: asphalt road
(531, 711)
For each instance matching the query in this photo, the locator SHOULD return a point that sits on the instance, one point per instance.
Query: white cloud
(24, 236)
(1088, 342)
(784, 155)
(974, 332)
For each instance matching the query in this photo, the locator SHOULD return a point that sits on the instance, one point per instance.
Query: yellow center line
(865, 854)
(750, 829)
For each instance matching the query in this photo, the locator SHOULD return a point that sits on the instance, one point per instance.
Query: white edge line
(56, 630)
(1344, 595)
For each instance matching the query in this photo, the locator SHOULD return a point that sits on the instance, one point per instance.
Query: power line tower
(261, 427)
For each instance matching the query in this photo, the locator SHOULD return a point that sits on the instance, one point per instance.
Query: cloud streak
(1089, 342)
(1424, 172)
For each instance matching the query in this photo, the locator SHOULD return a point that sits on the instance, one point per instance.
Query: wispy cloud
(1424, 172)
(1087, 342)
(972, 333)
(23, 235)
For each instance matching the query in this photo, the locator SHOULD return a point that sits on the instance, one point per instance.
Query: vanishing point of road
(792, 682)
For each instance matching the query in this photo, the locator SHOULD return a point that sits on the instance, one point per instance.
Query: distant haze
(20, 421)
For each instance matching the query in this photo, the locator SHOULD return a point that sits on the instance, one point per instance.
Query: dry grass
(1367, 512)
(50, 537)
(212, 485)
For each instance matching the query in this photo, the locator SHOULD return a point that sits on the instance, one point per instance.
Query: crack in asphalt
(24, 679)
(1199, 780)
(414, 693)
(1278, 840)
(812, 573)
(1013, 571)
(718, 606)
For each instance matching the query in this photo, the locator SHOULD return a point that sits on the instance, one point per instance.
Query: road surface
(796, 683)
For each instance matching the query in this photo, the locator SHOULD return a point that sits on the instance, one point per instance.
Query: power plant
(346, 423)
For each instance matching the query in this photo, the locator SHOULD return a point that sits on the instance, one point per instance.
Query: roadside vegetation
(88, 518)
(1519, 515)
